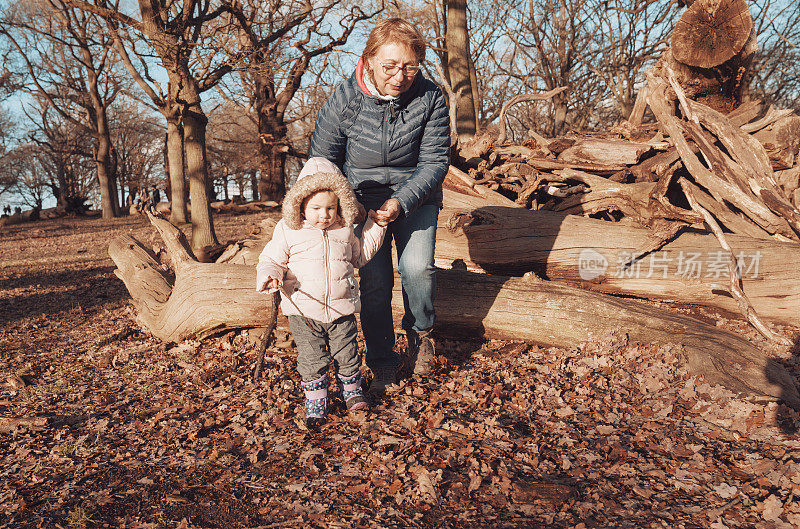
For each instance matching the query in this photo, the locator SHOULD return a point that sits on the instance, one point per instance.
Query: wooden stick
(639, 106)
(266, 340)
(736, 279)
(771, 117)
(519, 99)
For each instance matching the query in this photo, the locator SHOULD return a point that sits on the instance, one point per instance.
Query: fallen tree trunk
(204, 299)
(207, 298)
(690, 269)
(562, 316)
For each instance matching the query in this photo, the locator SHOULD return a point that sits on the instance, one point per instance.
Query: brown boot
(421, 351)
(382, 377)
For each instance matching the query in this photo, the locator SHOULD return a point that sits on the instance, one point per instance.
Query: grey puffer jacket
(387, 149)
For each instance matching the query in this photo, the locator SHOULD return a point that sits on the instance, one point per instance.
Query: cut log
(710, 33)
(690, 269)
(711, 51)
(559, 315)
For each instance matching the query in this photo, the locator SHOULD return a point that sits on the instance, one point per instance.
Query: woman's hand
(389, 211)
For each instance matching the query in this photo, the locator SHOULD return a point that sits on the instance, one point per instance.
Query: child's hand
(378, 219)
(388, 212)
(270, 285)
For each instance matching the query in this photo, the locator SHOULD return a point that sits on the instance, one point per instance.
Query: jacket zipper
(325, 260)
(385, 132)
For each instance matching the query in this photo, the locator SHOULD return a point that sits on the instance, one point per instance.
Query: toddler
(311, 259)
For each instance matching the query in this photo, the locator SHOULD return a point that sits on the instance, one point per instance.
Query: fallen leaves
(113, 426)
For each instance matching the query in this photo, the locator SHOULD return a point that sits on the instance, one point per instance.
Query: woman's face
(398, 57)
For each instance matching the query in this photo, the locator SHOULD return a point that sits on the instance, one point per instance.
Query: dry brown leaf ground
(103, 426)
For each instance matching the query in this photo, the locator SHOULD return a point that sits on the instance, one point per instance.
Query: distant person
(143, 199)
(310, 260)
(7, 209)
(155, 195)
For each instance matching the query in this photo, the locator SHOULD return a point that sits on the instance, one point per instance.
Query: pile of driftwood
(742, 167)
(696, 207)
(707, 163)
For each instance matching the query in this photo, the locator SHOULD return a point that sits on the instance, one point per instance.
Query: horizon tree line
(119, 95)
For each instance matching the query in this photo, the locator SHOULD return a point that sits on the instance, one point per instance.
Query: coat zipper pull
(391, 109)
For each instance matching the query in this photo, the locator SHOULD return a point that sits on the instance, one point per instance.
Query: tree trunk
(194, 128)
(108, 195)
(691, 269)
(254, 185)
(177, 179)
(210, 298)
(205, 299)
(458, 67)
(273, 143)
(563, 316)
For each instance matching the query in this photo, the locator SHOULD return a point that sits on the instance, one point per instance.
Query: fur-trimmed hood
(319, 174)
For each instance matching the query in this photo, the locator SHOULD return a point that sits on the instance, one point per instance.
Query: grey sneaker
(421, 352)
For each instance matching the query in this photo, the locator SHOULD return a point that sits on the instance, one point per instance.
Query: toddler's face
(321, 209)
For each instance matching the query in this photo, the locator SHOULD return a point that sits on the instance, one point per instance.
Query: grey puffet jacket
(387, 149)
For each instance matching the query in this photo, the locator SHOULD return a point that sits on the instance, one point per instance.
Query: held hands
(389, 211)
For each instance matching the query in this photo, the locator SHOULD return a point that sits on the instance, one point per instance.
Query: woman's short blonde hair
(396, 30)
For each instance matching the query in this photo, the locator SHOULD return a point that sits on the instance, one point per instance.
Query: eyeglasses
(409, 70)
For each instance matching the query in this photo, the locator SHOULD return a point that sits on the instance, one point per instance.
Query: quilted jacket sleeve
(369, 244)
(273, 260)
(434, 158)
(329, 141)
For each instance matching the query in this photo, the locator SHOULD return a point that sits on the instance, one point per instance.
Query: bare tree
(233, 144)
(31, 178)
(276, 44)
(459, 66)
(174, 33)
(67, 58)
(61, 154)
(8, 174)
(630, 36)
(776, 65)
(138, 140)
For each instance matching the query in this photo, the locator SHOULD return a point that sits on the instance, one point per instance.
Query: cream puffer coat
(316, 266)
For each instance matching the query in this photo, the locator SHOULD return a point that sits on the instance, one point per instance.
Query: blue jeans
(415, 239)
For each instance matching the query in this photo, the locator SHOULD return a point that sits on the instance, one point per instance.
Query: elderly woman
(387, 128)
